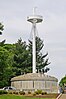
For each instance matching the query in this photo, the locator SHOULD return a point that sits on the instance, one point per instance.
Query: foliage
(1, 28)
(29, 92)
(20, 57)
(3, 65)
(41, 60)
(38, 92)
(2, 43)
(62, 81)
(44, 93)
(15, 59)
(16, 92)
(22, 93)
(10, 92)
(3, 92)
(34, 94)
(6, 59)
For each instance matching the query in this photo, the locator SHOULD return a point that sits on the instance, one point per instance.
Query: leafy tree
(6, 60)
(1, 28)
(3, 65)
(62, 81)
(41, 60)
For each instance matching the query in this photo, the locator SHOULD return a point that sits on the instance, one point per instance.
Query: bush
(3, 92)
(14, 92)
(34, 94)
(29, 92)
(22, 93)
(44, 93)
(10, 92)
(38, 92)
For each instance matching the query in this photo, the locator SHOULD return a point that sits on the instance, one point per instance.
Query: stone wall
(46, 86)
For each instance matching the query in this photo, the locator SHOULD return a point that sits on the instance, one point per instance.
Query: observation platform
(35, 18)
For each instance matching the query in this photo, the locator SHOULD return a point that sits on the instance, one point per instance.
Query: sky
(13, 14)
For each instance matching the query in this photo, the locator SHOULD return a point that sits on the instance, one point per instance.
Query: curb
(59, 96)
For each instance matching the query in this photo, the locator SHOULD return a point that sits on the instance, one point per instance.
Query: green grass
(19, 97)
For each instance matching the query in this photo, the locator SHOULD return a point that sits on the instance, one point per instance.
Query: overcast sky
(13, 14)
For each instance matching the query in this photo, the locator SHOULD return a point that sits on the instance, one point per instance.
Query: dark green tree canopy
(20, 57)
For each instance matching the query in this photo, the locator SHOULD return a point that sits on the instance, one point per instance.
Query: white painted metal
(34, 19)
(34, 48)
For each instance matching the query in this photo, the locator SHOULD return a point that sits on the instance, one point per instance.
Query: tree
(20, 57)
(6, 61)
(3, 66)
(2, 43)
(62, 81)
(41, 60)
(1, 28)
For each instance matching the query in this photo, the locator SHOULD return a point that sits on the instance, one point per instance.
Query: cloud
(13, 14)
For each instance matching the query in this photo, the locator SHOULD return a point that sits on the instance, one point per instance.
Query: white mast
(34, 19)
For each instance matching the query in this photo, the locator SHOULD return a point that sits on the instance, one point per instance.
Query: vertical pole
(34, 47)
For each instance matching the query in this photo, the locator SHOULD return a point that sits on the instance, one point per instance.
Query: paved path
(63, 96)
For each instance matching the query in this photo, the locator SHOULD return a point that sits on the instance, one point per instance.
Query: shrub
(34, 94)
(10, 92)
(29, 92)
(44, 93)
(16, 92)
(38, 92)
(3, 92)
(22, 93)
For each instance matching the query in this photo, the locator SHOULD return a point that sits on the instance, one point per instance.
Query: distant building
(34, 81)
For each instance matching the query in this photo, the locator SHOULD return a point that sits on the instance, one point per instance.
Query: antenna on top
(34, 10)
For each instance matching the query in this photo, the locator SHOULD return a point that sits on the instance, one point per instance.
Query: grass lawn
(19, 97)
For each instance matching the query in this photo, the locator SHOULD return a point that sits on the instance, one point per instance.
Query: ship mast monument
(34, 19)
(35, 81)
